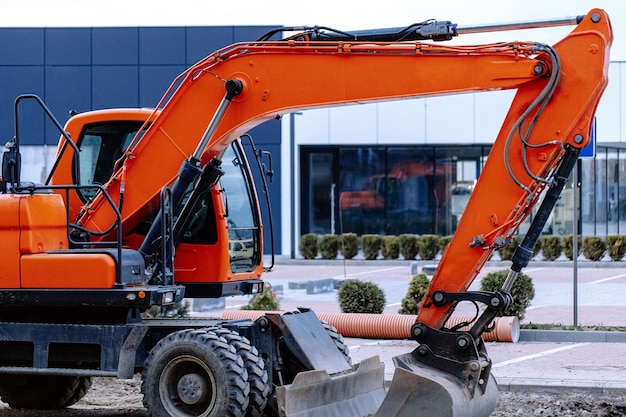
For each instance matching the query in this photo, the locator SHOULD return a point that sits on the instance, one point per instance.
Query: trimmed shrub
(266, 300)
(506, 252)
(309, 246)
(568, 246)
(444, 241)
(349, 245)
(408, 245)
(371, 246)
(391, 247)
(428, 247)
(594, 248)
(523, 291)
(616, 246)
(551, 247)
(537, 247)
(179, 310)
(361, 297)
(412, 300)
(329, 246)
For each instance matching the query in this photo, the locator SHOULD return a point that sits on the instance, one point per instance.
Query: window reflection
(243, 230)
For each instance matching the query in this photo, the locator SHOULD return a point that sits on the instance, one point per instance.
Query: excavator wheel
(43, 392)
(194, 373)
(255, 365)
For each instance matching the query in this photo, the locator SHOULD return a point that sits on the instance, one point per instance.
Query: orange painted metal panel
(68, 270)
(10, 235)
(42, 223)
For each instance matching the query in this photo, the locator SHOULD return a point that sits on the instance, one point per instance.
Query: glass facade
(424, 189)
(387, 189)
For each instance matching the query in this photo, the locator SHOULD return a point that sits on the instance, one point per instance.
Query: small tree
(594, 248)
(408, 245)
(349, 245)
(616, 247)
(266, 300)
(371, 246)
(522, 292)
(391, 247)
(309, 246)
(178, 309)
(551, 247)
(329, 246)
(361, 297)
(568, 246)
(412, 300)
(428, 246)
(444, 241)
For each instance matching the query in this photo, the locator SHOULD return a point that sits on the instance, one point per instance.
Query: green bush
(522, 292)
(361, 297)
(408, 245)
(594, 248)
(329, 246)
(349, 245)
(309, 246)
(178, 310)
(266, 300)
(506, 252)
(551, 247)
(568, 246)
(444, 241)
(371, 246)
(537, 247)
(412, 300)
(428, 247)
(616, 246)
(391, 247)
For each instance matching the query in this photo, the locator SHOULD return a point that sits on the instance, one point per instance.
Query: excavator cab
(216, 224)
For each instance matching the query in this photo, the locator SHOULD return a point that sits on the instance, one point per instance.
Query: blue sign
(589, 151)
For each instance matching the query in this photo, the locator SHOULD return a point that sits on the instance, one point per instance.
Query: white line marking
(608, 279)
(538, 355)
(532, 270)
(368, 272)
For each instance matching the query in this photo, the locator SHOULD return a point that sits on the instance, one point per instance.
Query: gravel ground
(113, 398)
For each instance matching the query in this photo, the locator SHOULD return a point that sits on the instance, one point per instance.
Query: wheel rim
(187, 386)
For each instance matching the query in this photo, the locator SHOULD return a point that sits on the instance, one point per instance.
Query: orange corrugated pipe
(387, 326)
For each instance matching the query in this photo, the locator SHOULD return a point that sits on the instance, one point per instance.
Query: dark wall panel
(115, 86)
(68, 46)
(115, 46)
(21, 46)
(158, 46)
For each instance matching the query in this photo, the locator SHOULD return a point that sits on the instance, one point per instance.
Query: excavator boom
(213, 103)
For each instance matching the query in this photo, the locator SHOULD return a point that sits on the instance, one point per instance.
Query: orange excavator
(145, 207)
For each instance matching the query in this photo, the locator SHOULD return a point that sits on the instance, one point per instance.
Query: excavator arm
(214, 102)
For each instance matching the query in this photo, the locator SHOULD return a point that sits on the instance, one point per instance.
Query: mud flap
(420, 391)
(356, 393)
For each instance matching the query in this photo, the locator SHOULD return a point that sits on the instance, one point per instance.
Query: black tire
(255, 365)
(194, 373)
(338, 339)
(43, 392)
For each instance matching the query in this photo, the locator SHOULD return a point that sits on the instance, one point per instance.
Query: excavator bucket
(415, 391)
(352, 394)
(420, 391)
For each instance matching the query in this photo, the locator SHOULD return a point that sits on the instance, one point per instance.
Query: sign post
(588, 152)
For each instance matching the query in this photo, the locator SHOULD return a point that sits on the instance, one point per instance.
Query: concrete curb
(571, 336)
(560, 386)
